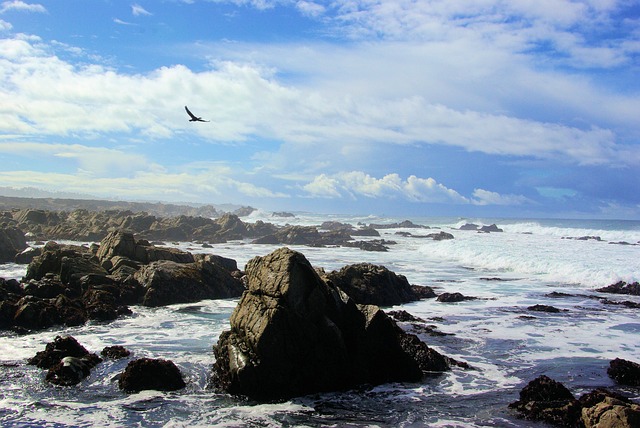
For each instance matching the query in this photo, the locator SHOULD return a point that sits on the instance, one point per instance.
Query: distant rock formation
(293, 333)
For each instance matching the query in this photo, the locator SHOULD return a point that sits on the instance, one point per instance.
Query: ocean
(507, 344)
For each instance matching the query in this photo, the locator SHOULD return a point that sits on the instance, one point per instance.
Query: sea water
(507, 344)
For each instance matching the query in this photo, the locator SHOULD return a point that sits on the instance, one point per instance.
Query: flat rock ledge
(294, 334)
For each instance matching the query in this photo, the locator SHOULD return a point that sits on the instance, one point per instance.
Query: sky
(503, 108)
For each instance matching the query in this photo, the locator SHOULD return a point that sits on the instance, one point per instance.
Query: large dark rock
(54, 353)
(624, 372)
(293, 334)
(151, 374)
(119, 245)
(545, 399)
(370, 284)
(12, 242)
(167, 282)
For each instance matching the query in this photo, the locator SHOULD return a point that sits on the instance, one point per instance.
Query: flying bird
(194, 118)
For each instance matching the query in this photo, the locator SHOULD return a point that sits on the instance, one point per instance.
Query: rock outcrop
(293, 333)
(71, 284)
(632, 289)
(370, 284)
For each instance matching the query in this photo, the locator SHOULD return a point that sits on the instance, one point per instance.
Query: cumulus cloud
(355, 184)
(22, 6)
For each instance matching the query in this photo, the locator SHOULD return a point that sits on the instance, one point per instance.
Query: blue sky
(435, 107)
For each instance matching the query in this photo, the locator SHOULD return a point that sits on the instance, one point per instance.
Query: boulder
(440, 236)
(453, 297)
(611, 413)
(293, 334)
(371, 284)
(61, 347)
(167, 282)
(544, 399)
(624, 372)
(12, 242)
(119, 245)
(151, 374)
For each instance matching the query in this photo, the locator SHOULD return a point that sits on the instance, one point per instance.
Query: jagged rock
(12, 242)
(115, 352)
(624, 372)
(151, 374)
(34, 313)
(27, 255)
(622, 287)
(231, 227)
(124, 245)
(293, 334)
(370, 284)
(167, 282)
(545, 399)
(490, 228)
(50, 261)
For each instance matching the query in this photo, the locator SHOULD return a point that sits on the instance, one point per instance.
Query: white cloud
(138, 10)
(485, 197)
(355, 184)
(121, 22)
(310, 8)
(22, 6)
(5, 26)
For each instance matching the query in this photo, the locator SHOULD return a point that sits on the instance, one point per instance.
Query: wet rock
(61, 347)
(373, 245)
(151, 374)
(27, 255)
(115, 352)
(544, 308)
(34, 313)
(440, 236)
(624, 372)
(454, 297)
(545, 399)
(423, 292)
(490, 228)
(293, 334)
(371, 284)
(622, 287)
(469, 226)
(71, 370)
(167, 282)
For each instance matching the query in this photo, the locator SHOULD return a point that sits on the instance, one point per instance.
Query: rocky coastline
(296, 329)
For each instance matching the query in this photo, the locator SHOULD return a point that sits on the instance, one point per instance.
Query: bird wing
(193, 116)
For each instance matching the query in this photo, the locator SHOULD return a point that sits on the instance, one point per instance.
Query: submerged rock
(454, 297)
(294, 334)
